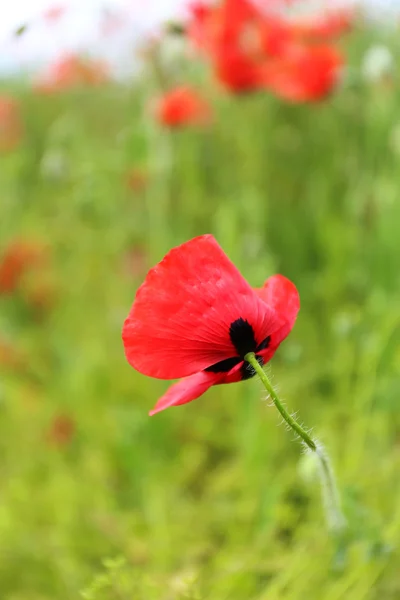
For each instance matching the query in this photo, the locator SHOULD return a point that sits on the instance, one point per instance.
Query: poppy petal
(180, 321)
(281, 294)
(186, 390)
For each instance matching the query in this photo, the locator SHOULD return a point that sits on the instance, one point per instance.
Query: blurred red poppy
(253, 46)
(10, 123)
(182, 106)
(196, 317)
(18, 258)
(305, 74)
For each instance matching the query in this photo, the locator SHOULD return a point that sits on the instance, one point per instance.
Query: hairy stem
(334, 516)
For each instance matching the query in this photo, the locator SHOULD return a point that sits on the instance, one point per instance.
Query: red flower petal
(179, 323)
(305, 74)
(281, 294)
(237, 71)
(187, 390)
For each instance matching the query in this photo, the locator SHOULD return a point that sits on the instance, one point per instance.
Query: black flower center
(243, 339)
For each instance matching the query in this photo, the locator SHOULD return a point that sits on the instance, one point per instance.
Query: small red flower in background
(72, 71)
(10, 123)
(196, 317)
(306, 74)
(182, 106)
(61, 431)
(18, 259)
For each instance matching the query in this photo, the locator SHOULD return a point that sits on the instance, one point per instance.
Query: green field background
(212, 500)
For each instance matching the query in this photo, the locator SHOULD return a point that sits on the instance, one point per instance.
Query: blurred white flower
(54, 165)
(173, 50)
(378, 62)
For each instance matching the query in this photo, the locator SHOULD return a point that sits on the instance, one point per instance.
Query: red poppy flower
(196, 317)
(18, 258)
(182, 106)
(305, 74)
(252, 45)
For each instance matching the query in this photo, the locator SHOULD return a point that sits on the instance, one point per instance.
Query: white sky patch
(79, 28)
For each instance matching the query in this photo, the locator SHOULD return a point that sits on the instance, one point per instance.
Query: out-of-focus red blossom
(61, 431)
(54, 13)
(72, 71)
(306, 74)
(182, 106)
(17, 260)
(10, 123)
(243, 41)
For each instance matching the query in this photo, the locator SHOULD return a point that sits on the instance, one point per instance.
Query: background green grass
(211, 500)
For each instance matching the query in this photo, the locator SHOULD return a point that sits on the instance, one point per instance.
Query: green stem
(336, 520)
(293, 424)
